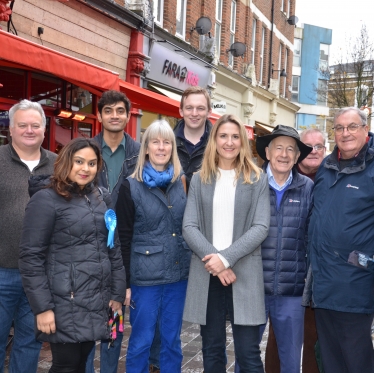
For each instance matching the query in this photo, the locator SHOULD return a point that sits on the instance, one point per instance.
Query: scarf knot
(153, 178)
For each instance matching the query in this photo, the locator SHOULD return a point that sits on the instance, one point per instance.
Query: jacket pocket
(147, 263)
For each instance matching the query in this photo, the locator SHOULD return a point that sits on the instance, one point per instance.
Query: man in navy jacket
(284, 250)
(341, 225)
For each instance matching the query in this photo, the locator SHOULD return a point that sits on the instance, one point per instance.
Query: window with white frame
(253, 41)
(158, 8)
(218, 26)
(285, 69)
(232, 30)
(262, 54)
(323, 57)
(288, 8)
(295, 88)
(297, 52)
(322, 92)
(181, 17)
(282, 5)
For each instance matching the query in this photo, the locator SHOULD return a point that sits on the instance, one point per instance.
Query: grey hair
(359, 112)
(26, 105)
(313, 130)
(158, 128)
(297, 147)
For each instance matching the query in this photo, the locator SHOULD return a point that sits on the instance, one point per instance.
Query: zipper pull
(88, 201)
(72, 295)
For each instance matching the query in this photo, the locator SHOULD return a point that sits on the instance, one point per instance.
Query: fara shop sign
(175, 70)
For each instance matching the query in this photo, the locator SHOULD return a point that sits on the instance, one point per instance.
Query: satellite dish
(237, 49)
(203, 25)
(293, 20)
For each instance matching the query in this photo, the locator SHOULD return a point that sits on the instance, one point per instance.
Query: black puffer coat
(66, 265)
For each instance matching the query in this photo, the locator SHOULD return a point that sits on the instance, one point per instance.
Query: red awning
(25, 53)
(35, 56)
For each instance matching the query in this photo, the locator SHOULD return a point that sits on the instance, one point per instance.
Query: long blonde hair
(158, 128)
(243, 163)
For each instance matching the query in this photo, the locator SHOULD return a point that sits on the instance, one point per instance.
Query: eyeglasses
(351, 128)
(317, 148)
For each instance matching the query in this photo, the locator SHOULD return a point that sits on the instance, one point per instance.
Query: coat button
(174, 234)
(176, 262)
(147, 252)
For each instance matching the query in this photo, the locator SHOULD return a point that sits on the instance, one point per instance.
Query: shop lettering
(180, 73)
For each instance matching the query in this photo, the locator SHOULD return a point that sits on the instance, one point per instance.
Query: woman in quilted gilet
(150, 210)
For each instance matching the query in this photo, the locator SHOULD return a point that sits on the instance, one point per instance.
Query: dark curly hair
(64, 163)
(111, 98)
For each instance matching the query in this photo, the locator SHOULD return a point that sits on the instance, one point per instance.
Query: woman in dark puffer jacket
(70, 275)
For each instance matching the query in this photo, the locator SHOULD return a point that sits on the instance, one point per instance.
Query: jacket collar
(132, 147)
(208, 128)
(358, 164)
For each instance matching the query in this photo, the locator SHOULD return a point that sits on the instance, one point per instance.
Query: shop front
(66, 87)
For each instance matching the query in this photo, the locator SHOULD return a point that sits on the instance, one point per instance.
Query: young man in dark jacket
(120, 154)
(192, 132)
(340, 246)
(20, 159)
(284, 250)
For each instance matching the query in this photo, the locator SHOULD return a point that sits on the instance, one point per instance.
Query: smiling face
(84, 167)
(282, 154)
(228, 145)
(311, 163)
(27, 131)
(159, 152)
(348, 143)
(195, 111)
(114, 117)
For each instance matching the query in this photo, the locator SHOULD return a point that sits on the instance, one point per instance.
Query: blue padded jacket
(284, 249)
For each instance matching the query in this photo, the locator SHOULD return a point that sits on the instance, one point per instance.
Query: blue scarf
(153, 178)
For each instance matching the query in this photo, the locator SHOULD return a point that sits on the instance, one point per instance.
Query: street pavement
(191, 346)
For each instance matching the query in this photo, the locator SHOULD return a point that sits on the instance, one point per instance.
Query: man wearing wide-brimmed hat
(284, 250)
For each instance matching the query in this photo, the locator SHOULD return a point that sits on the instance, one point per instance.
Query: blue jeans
(14, 307)
(163, 304)
(154, 357)
(108, 356)
(247, 349)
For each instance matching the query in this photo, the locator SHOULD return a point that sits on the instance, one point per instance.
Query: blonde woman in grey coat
(225, 221)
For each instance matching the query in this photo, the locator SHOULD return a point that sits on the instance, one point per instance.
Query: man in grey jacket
(20, 159)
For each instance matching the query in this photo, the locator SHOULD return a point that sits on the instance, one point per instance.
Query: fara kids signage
(176, 70)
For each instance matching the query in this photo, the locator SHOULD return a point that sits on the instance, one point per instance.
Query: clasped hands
(214, 265)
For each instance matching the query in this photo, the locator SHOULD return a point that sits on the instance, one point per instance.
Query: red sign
(250, 133)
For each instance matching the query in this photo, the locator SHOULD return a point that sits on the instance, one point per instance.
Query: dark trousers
(345, 340)
(70, 357)
(247, 350)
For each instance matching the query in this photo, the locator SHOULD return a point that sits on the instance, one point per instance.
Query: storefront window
(14, 82)
(84, 130)
(4, 127)
(45, 89)
(78, 99)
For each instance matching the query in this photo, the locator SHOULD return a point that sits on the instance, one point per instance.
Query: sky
(344, 17)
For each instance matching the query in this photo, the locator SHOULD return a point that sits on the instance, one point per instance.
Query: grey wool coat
(251, 225)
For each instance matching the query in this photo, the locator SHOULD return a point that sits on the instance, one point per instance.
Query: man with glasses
(316, 139)
(341, 228)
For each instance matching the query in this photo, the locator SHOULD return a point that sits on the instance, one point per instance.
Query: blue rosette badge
(111, 223)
